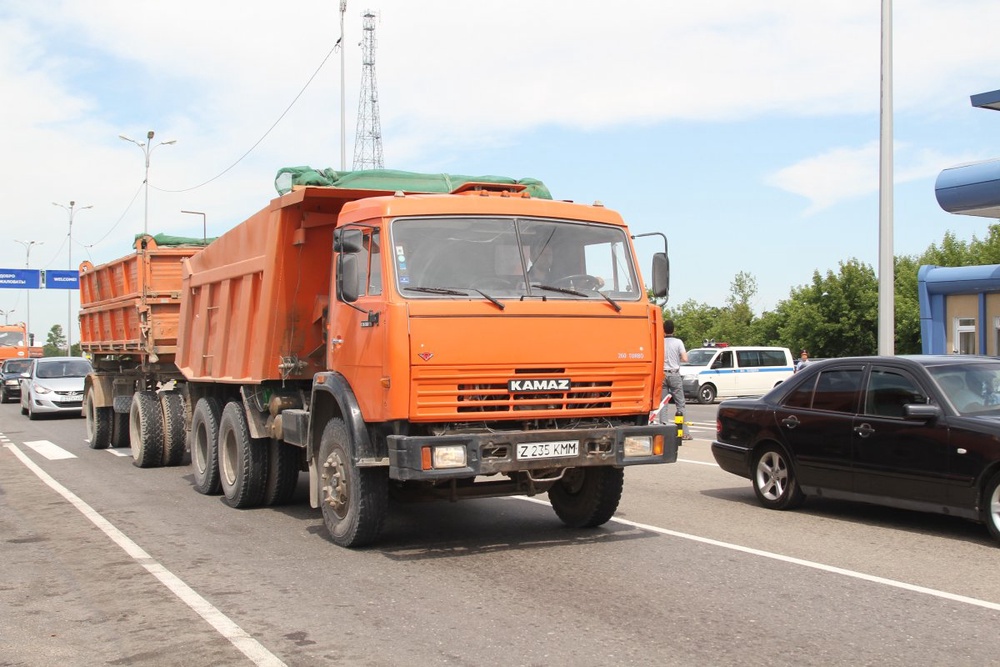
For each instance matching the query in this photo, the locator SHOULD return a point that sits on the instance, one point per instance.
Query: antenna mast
(368, 142)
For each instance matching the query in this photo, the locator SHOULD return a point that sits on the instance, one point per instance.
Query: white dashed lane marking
(49, 450)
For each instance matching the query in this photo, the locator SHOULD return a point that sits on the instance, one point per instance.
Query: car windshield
(700, 357)
(68, 368)
(972, 388)
(16, 365)
(463, 257)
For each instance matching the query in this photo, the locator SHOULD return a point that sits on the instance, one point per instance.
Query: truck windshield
(512, 258)
(11, 338)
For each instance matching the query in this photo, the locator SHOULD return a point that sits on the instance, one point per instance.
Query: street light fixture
(147, 147)
(27, 292)
(6, 315)
(69, 293)
(204, 226)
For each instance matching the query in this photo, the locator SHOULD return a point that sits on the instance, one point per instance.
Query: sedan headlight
(41, 389)
(11, 383)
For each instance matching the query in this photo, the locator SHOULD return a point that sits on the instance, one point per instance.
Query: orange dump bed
(254, 298)
(132, 305)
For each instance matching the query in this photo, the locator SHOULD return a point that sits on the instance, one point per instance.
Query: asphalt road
(104, 563)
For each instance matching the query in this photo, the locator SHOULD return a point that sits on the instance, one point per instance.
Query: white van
(735, 371)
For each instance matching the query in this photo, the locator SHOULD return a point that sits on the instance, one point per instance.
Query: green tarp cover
(392, 180)
(168, 240)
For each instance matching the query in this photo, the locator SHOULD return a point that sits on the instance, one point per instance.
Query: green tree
(55, 344)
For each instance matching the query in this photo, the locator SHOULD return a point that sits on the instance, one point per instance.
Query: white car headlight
(41, 389)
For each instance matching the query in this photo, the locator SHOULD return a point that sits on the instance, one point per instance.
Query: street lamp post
(69, 293)
(147, 147)
(204, 224)
(27, 292)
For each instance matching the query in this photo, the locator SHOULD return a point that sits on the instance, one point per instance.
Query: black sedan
(918, 432)
(10, 378)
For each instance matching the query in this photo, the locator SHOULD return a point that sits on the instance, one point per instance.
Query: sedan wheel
(991, 507)
(774, 480)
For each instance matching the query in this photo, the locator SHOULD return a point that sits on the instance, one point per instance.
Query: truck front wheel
(587, 497)
(354, 500)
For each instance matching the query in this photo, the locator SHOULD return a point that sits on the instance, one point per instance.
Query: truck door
(356, 329)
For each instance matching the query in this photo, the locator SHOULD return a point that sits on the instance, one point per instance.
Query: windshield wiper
(564, 290)
(455, 292)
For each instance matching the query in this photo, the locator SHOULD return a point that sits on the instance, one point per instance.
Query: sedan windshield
(70, 368)
(972, 388)
(512, 258)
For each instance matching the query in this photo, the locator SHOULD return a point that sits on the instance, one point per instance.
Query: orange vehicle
(14, 342)
(407, 344)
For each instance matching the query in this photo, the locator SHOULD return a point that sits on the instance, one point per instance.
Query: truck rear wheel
(587, 497)
(98, 422)
(146, 430)
(120, 434)
(205, 446)
(242, 459)
(282, 472)
(354, 500)
(172, 406)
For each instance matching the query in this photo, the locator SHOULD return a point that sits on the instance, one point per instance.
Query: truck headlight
(638, 445)
(443, 456)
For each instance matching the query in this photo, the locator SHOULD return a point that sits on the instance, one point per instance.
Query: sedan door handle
(790, 422)
(864, 430)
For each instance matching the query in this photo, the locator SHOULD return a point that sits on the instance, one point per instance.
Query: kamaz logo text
(538, 385)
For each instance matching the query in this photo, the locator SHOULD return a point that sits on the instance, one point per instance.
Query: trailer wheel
(146, 430)
(205, 446)
(587, 497)
(120, 432)
(282, 472)
(354, 500)
(98, 422)
(172, 406)
(242, 459)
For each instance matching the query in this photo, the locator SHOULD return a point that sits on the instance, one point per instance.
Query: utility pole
(27, 292)
(368, 142)
(343, 108)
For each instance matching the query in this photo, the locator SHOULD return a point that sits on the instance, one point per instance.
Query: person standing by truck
(674, 354)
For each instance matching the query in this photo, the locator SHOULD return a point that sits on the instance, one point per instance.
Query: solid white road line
(801, 562)
(49, 450)
(246, 644)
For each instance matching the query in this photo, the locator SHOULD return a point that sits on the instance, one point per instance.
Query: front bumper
(491, 453)
(691, 386)
(45, 403)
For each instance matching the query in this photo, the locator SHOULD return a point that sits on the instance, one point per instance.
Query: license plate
(548, 450)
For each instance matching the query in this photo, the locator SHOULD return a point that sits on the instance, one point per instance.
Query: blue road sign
(62, 279)
(22, 279)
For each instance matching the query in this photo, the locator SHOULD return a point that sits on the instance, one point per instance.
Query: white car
(54, 385)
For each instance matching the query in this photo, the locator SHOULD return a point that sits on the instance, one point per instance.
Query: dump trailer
(413, 345)
(129, 314)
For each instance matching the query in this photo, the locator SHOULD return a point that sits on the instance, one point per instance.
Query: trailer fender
(102, 388)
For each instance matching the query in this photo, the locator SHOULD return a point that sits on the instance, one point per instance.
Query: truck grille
(592, 392)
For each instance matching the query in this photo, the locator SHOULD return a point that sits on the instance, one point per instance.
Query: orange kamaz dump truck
(481, 342)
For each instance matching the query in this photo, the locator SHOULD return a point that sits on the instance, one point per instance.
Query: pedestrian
(802, 362)
(674, 355)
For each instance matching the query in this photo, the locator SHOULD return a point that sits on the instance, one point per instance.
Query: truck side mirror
(661, 275)
(348, 284)
(348, 240)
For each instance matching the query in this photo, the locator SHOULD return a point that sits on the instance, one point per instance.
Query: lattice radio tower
(368, 142)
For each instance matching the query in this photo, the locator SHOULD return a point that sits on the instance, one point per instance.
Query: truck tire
(587, 497)
(354, 500)
(172, 407)
(282, 472)
(242, 459)
(146, 430)
(120, 434)
(98, 422)
(205, 446)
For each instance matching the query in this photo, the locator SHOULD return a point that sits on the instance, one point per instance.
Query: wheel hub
(335, 483)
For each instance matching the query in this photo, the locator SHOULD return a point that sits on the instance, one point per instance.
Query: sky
(746, 132)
